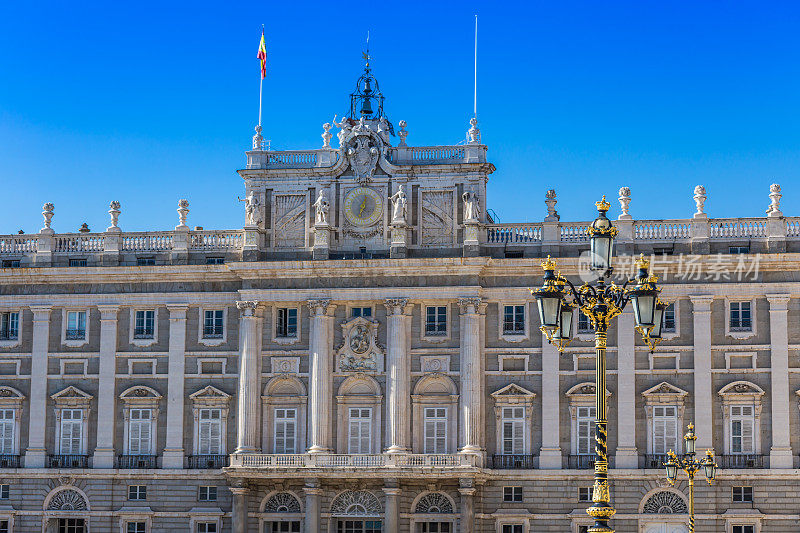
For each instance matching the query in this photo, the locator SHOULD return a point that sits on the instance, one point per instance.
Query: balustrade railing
(147, 242)
(650, 230)
(793, 227)
(513, 233)
(216, 240)
(737, 228)
(574, 232)
(431, 154)
(365, 461)
(13, 244)
(70, 243)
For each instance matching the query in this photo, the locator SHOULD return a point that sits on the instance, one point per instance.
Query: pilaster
(36, 452)
(313, 506)
(470, 399)
(703, 396)
(240, 494)
(467, 492)
(106, 395)
(321, 375)
(780, 455)
(398, 376)
(249, 380)
(392, 507)
(627, 455)
(173, 450)
(550, 453)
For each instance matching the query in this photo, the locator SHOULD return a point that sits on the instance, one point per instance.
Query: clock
(363, 206)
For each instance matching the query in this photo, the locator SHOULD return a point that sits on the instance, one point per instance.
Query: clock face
(363, 206)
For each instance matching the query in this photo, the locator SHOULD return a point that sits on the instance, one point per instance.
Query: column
(249, 380)
(398, 376)
(312, 514)
(36, 452)
(467, 521)
(106, 391)
(173, 450)
(320, 393)
(626, 456)
(703, 396)
(780, 455)
(550, 453)
(239, 492)
(470, 401)
(391, 522)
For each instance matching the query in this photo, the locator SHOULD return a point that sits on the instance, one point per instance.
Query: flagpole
(475, 86)
(260, 84)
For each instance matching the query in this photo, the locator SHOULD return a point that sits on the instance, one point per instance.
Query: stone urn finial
(326, 135)
(624, 202)
(550, 201)
(700, 200)
(114, 211)
(774, 209)
(183, 211)
(48, 210)
(402, 133)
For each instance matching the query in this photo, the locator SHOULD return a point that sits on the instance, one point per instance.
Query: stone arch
(281, 502)
(356, 503)
(66, 498)
(741, 387)
(433, 502)
(140, 391)
(284, 385)
(664, 501)
(435, 384)
(358, 391)
(10, 393)
(359, 385)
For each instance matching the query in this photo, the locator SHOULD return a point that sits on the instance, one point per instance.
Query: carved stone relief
(290, 220)
(437, 217)
(360, 351)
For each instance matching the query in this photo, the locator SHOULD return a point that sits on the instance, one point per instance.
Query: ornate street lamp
(556, 299)
(689, 464)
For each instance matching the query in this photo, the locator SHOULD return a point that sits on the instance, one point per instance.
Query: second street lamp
(556, 299)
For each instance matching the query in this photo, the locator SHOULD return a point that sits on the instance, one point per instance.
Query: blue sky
(147, 103)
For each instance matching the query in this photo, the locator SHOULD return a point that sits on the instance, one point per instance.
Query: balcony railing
(9, 461)
(207, 461)
(353, 461)
(653, 460)
(743, 461)
(513, 233)
(75, 334)
(68, 461)
(137, 461)
(9, 334)
(514, 462)
(584, 462)
(143, 333)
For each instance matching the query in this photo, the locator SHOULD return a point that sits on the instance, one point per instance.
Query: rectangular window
(206, 527)
(744, 529)
(215, 260)
(210, 432)
(76, 325)
(11, 263)
(584, 326)
(513, 424)
(512, 494)
(285, 430)
(512, 528)
(139, 432)
(286, 323)
(585, 494)
(739, 249)
(360, 430)
(5, 492)
(9, 326)
(207, 494)
(585, 423)
(366, 312)
(514, 320)
(7, 430)
(436, 320)
(144, 324)
(740, 318)
(137, 492)
(213, 324)
(71, 432)
(665, 428)
(668, 325)
(742, 429)
(742, 494)
(136, 527)
(77, 262)
(435, 430)
(145, 261)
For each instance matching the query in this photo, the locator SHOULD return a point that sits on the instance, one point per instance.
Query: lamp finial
(549, 264)
(603, 205)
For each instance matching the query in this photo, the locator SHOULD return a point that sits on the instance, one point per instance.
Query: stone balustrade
(354, 461)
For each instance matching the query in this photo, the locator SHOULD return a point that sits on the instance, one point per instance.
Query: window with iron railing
(213, 324)
(740, 316)
(76, 325)
(436, 320)
(286, 323)
(514, 320)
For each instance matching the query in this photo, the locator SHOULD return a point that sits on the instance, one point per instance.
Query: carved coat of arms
(360, 351)
(362, 153)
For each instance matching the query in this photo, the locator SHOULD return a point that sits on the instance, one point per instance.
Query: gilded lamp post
(556, 300)
(690, 464)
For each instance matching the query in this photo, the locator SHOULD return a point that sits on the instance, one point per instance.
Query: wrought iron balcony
(137, 461)
(207, 461)
(584, 462)
(514, 462)
(9, 461)
(653, 460)
(743, 461)
(143, 333)
(9, 334)
(67, 461)
(76, 334)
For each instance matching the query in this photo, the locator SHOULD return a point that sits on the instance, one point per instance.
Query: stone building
(364, 355)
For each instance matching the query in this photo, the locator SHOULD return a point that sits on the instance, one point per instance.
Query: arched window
(434, 502)
(282, 502)
(284, 415)
(359, 415)
(282, 510)
(356, 503)
(664, 502)
(434, 512)
(434, 414)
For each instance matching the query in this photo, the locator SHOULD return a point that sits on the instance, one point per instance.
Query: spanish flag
(262, 56)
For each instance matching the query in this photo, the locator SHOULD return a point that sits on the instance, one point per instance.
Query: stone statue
(474, 133)
(700, 200)
(471, 206)
(321, 208)
(384, 130)
(326, 135)
(774, 209)
(252, 209)
(344, 129)
(399, 206)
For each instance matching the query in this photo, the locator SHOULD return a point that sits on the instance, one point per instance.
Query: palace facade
(364, 355)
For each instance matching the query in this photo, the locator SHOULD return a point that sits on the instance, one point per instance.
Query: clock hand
(363, 206)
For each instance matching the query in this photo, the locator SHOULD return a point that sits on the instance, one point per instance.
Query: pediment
(71, 393)
(584, 389)
(10, 394)
(513, 390)
(210, 393)
(664, 388)
(741, 388)
(140, 392)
